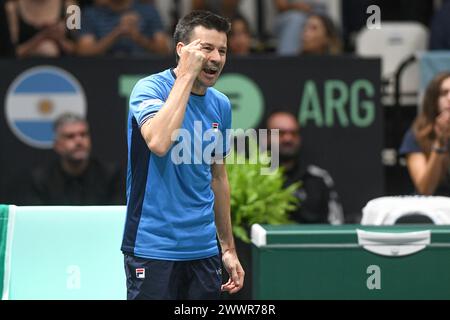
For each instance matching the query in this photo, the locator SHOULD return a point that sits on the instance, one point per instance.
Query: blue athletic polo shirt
(169, 199)
(100, 20)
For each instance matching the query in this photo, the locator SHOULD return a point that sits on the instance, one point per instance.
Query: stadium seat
(407, 209)
(395, 43)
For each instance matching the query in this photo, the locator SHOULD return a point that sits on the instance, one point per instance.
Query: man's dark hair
(278, 111)
(196, 18)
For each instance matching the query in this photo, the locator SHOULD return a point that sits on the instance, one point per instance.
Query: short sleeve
(226, 136)
(227, 130)
(146, 100)
(409, 144)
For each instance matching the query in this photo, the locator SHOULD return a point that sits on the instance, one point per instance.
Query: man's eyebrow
(205, 44)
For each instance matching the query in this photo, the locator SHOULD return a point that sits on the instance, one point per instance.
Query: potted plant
(255, 198)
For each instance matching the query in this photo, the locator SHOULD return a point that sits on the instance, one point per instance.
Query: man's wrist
(228, 249)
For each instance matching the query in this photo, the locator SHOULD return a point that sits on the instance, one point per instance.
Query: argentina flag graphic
(36, 98)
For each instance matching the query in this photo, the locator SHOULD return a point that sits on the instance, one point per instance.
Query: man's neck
(288, 165)
(74, 168)
(197, 88)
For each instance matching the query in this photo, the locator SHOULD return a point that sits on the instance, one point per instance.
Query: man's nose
(214, 55)
(286, 140)
(288, 136)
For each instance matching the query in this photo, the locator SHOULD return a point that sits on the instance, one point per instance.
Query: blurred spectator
(38, 28)
(425, 144)
(290, 20)
(440, 29)
(354, 17)
(319, 201)
(320, 36)
(239, 39)
(86, 3)
(76, 178)
(6, 48)
(406, 10)
(122, 28)
(225, 8)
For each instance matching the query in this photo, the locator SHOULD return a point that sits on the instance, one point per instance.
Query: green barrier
(351, 262)
(67, 252)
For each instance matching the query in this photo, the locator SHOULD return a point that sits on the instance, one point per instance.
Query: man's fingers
(235, 276)
(194, 43)
(235, 282)
(234, 290)
(228, 287)
(241, 278)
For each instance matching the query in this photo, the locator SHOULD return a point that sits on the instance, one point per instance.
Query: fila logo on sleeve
(140, 273)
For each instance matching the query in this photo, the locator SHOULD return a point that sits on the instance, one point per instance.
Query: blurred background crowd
(144, 27)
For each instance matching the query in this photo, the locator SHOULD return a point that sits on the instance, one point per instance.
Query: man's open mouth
(211, 70)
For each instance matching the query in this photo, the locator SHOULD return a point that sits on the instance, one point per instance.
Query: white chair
(395, 42)
(394, 210)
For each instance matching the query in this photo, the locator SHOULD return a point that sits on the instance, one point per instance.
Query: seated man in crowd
(76, 178)
(319, 201)
(122, 28)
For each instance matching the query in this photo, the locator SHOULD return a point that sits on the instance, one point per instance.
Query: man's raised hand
(191, 59)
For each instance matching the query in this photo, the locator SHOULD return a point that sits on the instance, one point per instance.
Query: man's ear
(179, 46)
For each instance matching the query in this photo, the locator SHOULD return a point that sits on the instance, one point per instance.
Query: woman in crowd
(425, 144)
(239, 39)
(38, 28)
(320, 36)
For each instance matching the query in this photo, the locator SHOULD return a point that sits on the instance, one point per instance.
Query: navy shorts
(173, 280)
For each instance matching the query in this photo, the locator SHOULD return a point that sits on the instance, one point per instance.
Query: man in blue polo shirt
(177, 187)
(122, 28)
